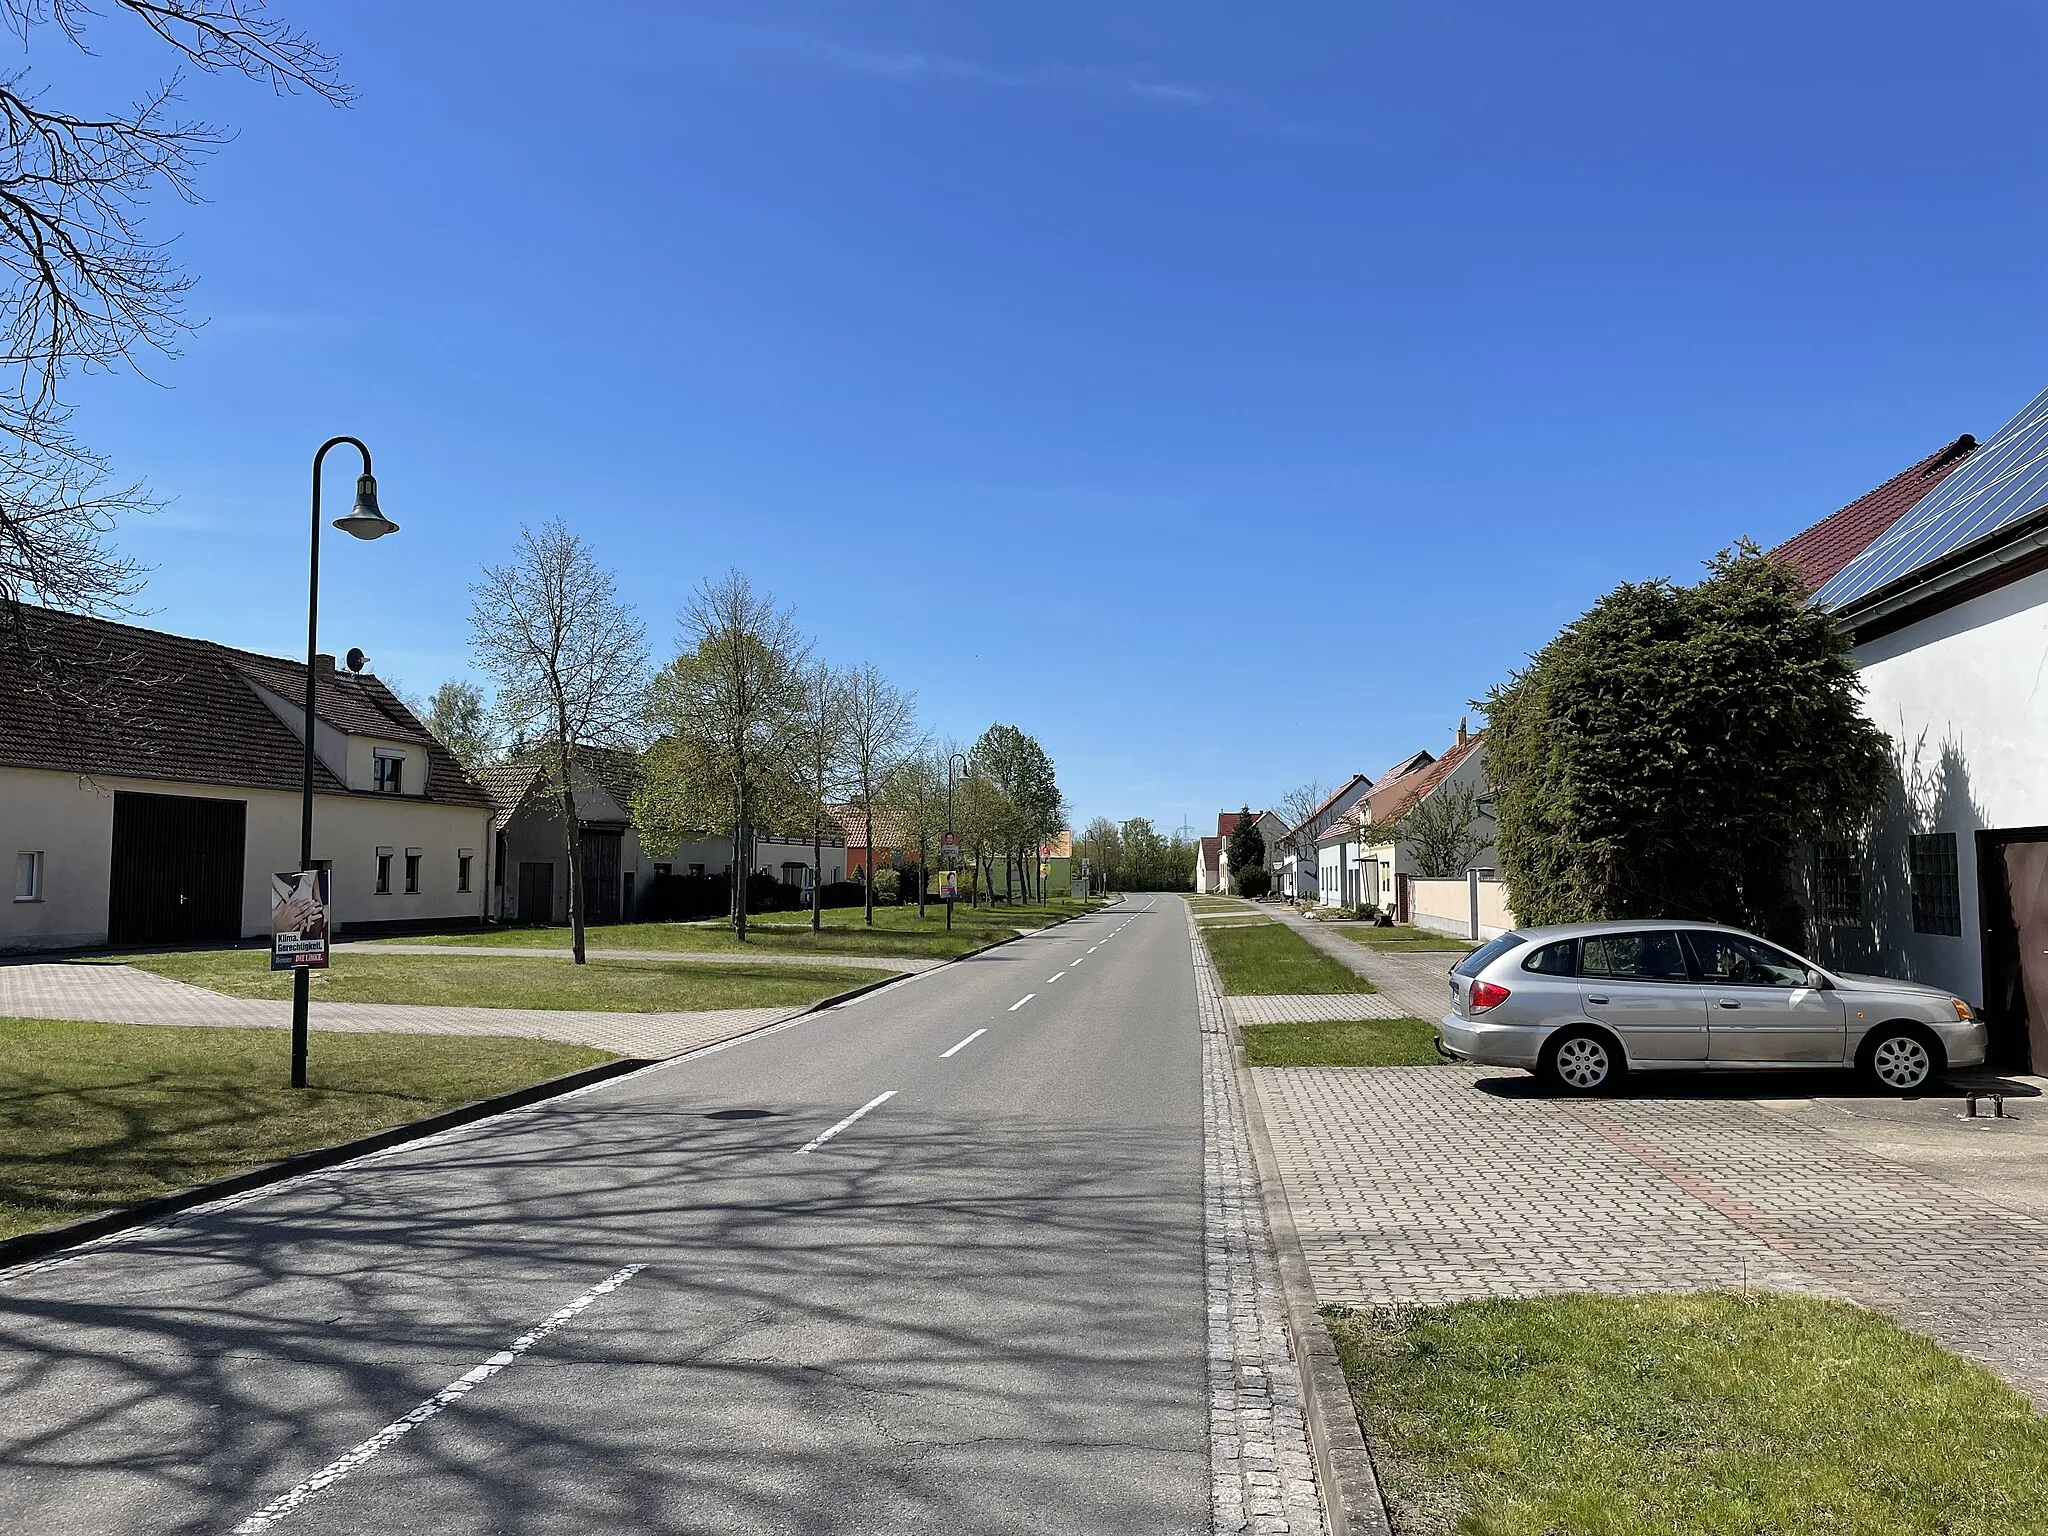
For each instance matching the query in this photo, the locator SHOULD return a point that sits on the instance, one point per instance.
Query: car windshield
(1487, 953)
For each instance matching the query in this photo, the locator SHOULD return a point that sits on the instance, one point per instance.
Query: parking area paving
(1308, 1008)
(1419, 1185)
(121, 994)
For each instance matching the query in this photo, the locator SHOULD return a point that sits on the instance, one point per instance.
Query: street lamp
(364, 521)
(953, 827)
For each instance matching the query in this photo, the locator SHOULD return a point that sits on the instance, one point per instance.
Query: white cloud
(1101, 80)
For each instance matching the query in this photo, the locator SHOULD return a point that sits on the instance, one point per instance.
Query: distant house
(531, 871)
(1271, 828)
(1209, 866)
(1374, 869)
(894, 844)
(1944, 593)
(1298, 878)
(150, 787)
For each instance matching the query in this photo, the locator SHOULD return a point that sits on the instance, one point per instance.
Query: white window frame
(415, 861)
(28, 875)
(382, 885)
(464, 858)
(379, 757)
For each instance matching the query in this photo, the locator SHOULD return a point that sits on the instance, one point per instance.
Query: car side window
(1734, 960)
(1651, 956)
(1559, 959)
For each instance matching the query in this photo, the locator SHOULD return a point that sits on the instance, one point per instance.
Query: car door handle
(1595, 998)
(1724, 1003)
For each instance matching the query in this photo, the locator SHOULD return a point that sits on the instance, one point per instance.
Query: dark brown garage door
(177, 870)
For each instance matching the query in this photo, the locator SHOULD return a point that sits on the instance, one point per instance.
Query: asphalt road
(977, 1307)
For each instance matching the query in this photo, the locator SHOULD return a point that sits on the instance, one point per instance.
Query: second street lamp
(365, 520)
(953, 831)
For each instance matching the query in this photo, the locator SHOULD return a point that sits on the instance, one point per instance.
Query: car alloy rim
(1902, 1062)
(1582, 1063)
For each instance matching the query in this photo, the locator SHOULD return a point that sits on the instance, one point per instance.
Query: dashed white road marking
(1055, 976)
(1022, 1001)
(965, 1043)
(1093, 947)
(339, 1468)
(818, 1141)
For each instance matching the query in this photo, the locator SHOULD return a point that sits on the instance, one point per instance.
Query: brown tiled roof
(508, 784)
(1335, 795)
(1226, 822)
(85, 695)
(889, 830)
(1397, 794)
(1212, 847)
(1840, 537)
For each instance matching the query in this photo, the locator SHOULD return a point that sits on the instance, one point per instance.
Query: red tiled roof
(1335, 795)
(1398, 794)
(1226, 822)
(1211, 847)
(1831, 543)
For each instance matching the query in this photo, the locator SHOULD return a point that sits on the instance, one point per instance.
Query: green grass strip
(1267, 958)
(1707, 1414)
(1342, 1043)
(98, 1115)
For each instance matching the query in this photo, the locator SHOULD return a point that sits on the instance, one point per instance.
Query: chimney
(322, 662)
(1461, 718)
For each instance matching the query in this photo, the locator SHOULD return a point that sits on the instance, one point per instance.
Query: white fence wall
(1471, 908)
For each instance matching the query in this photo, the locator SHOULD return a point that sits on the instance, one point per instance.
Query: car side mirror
(1818, 982)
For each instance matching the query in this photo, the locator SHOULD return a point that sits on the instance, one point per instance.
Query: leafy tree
(1445, 830)
(728, 712)
(1668, 753)
(1019, 784)
(1102, 845)
(461, 722)
(1247, 844)
(820, 751)
(568, 659)
(915, 793)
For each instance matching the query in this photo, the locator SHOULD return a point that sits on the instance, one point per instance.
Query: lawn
(1202, 905)
(1627, 1416)
(99, 1115)
(1342, 1043)
(510, 981)
(1268, 958)
(897, 932)
(1400, 936)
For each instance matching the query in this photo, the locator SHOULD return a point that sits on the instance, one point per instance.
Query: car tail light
(1485, 995)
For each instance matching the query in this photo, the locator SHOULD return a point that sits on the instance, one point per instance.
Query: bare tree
(729, 711)
(879, 718)
(1297, 806)
(821, 753)
(1445, 830)
(570, 664)
(83, 288)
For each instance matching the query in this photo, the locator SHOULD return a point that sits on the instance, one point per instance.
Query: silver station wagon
(1583, 1003)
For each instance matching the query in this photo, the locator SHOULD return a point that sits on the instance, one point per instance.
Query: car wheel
(1901, 1059)
(1581, 1061)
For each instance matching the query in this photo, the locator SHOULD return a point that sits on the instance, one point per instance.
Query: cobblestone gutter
(1261, 1465)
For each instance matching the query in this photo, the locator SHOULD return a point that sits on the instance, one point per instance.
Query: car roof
(1624, 925)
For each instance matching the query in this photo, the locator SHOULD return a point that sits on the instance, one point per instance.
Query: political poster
(298, 919)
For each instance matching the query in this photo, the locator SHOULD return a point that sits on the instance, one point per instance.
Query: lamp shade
(365, 520)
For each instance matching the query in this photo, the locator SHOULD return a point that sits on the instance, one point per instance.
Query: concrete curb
(1352, 1502)
(30, 1246)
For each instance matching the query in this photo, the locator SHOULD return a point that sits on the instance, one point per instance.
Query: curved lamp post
(953, 827)
(364, 521)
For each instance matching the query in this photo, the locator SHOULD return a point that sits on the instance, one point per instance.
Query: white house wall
(69, 819)
(1964, 696)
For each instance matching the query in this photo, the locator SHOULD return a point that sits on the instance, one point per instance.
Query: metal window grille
(1937, 885)
(1838, 879)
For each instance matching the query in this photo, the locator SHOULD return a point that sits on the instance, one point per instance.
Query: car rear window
(1559, 959)
(1487, 953)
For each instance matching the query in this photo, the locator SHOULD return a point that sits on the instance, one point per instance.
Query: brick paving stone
(1432, 1184)
(1262, 1470)
(122, 994)
(1308, 1008)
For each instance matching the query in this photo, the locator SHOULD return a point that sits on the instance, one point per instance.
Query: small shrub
(1254, 882)
(888, 883)
(843, 893)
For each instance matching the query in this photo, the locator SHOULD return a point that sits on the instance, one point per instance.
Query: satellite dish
(356, 659)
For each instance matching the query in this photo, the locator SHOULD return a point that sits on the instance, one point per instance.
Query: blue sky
(1254, 386)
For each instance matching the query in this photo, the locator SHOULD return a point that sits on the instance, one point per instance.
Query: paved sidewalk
(1431, 1184)
(904, 963)
(1305, 1008)
(121, 994)
(1262, 1467)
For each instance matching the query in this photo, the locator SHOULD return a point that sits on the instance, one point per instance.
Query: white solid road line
(1022, 1001)
(336, 1470)
(965, 1043)
(818, 1141)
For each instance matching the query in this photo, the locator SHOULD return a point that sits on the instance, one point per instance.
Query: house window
(390, 773)
(1937, 890)
(383, 871)
(412, 871)
(28, 877)
(462, 858)
(1838, 881)
(697, 871)
(662, 869)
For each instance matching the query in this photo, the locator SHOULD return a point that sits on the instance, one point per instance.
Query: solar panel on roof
(2002, 482)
